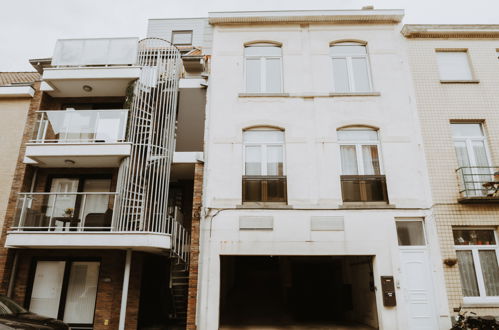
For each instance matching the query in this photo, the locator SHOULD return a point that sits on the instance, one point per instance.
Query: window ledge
(309, 95)
(481, 304)
(459, 81)
(263, 205)
(366, 205)
(263, 94)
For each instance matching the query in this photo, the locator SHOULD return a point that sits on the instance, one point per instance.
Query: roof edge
(481, 31)
(362, 16)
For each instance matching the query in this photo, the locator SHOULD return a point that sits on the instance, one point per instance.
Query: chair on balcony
(99, 221)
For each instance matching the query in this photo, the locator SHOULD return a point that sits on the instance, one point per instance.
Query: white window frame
(468, 140)
(349, 57)
(263, 67)
(174, 32)
(478, 267)
(425, 234)
(468, 61)
(358, 151)
(263, 152)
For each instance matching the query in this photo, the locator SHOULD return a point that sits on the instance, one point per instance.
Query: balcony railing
(81, 126)
(65, 211)
(364, 188)
(264, 189)
(478, 183)
(92, 52)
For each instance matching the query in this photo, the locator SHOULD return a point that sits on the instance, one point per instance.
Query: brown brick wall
(194, 255)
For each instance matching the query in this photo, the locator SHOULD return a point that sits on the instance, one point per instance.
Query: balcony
(364, 188)
(478, 184)
(88, 220)
(79, 138)
(264, 189)
(92, 67)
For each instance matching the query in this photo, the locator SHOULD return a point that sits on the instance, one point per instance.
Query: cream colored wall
(438, 104)
(13, 114)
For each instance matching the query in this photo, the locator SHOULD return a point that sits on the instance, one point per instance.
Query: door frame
(65, 283)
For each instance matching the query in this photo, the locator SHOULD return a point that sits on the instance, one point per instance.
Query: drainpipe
(12, 276)
(124, 292)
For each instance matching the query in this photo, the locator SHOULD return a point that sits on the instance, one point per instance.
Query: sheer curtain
(274, 160)
(349, 160)
(47, 287)
(371, 160)
(468, 274)
(490, 271)
(82, 291)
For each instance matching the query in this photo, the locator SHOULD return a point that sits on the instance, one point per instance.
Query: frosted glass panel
(454, 66)
(273, 79)
(490, 271)
(360, 75)
(370, 160)
(357, 135)
(467, 130)
(253, 75)
(274, 160)
(253, 160)
(410, 233)
(348, 50)
(263, 136)
(348, 160)
(340, 75)
(47, 287)
(468, 275)
(82, 291)
(262, 51)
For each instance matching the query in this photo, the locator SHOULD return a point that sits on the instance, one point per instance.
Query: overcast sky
(29, 28)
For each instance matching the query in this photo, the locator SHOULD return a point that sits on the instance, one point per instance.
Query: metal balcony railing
(478, 182)
(264, 189)
(95, 52)
(364, 188)
(80, 126)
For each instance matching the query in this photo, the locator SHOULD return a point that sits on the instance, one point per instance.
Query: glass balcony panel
(264, 189)
(81, 126)
(252, 191)
(364, 188)
(105, 51)
(64, 211)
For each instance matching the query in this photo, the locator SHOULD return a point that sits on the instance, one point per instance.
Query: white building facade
(316, 200)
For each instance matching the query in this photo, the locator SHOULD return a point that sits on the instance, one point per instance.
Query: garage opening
(336, 292)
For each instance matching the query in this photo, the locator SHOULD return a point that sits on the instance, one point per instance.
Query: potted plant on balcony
(68, 213)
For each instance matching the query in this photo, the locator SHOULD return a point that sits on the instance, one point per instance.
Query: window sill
(310, 95)
(263, 94)
(366, 205)
(459, 81)
(484, 304)
(264, 205)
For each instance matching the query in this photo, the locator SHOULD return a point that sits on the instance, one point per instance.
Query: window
(263, 66)
(472, 157)
(264, 179)
(350, 68)
(410, 233)
(65, 290)
(182, 38)
(362, 178)
(476, 251)
(454, 65)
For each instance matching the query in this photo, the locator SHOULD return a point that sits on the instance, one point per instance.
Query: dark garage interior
(336, 292)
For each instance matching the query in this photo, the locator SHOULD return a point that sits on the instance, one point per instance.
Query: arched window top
(358, 133)
(348, 48)
(262, 49)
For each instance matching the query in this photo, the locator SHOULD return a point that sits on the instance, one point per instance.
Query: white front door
(418, 289)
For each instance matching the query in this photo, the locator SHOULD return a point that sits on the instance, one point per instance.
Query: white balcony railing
(81, 126)
(92, 52)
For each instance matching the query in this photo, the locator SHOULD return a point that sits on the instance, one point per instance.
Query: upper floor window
(476, 251)
(182, 38)
(263, 66)
(361, 179)
(473, 160)
(359, 151)
(350, 67)
(264, 179)
(454, 65)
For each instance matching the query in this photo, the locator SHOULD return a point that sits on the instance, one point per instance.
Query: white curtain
(274, 160)
(468, 275)
(371, 160)
(82, 291)
(348, 160)
(340, 75)
(490, 271)
(253, 160)
(47, 287)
